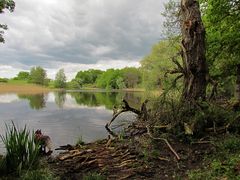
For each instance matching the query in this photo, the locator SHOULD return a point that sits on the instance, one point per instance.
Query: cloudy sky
(78, 34)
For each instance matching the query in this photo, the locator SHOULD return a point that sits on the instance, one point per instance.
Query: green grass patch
(41, 174)
(17, 82)
(224, 164)
(94, 176)
(80, 141)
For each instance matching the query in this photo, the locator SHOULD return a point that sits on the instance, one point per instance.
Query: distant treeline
(150, 75)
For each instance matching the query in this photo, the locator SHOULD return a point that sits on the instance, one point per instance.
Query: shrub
(3, 80)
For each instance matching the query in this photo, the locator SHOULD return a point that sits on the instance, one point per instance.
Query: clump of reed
(22, 152)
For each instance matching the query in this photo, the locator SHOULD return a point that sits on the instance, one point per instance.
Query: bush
(3, 80)
(22, 152)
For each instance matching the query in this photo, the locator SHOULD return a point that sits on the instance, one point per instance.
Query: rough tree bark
(193, 51)
(238, 84)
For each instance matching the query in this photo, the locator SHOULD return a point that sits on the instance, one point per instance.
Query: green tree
(22, 75)
(9, 5)
(109, 79)
(88, 77)
(172, 19)
(155, 65)
(131, 76)
(38, 76)
(221, 18)
(60, 79)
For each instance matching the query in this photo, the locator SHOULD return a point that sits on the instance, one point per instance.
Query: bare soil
(22, 89)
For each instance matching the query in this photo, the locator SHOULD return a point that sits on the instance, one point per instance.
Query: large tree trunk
(193, 51)
(238, 84)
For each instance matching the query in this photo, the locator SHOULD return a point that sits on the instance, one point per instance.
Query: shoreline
(23, 88)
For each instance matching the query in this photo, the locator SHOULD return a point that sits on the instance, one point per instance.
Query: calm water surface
(64, 116)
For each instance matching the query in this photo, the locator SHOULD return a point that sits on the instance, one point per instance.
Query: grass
(80, 141)
(224, 164)
(22, 153)
(40, 174)
(94, 176)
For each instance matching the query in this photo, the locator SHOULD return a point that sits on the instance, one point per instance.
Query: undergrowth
(22, 158)
(189, 120)
(223, 164)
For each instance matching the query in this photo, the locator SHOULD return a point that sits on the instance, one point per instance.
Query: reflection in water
(36, 101)
(64, 116)
(90, 99)
(60, 98)
(107, 99)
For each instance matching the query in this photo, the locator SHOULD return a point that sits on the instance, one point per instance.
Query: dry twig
(165, 140)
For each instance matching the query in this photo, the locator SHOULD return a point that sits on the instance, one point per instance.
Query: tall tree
(60, 79)
(9, 5)
(195, 69)
(38, 75)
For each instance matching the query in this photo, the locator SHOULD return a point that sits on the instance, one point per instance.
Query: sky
(79, 35)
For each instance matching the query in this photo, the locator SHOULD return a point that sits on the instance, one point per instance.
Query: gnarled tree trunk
(193, 51)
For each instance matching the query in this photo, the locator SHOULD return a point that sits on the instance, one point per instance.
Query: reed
(22, 152)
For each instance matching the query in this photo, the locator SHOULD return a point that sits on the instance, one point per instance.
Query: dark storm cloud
(54, 32)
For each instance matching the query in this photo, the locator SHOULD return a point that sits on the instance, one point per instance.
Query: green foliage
(80, 141)
(109, 78)
(38, 76)
(156, 64)
(224, 164)
(172, 18)
(3, 80)
(131, 77)
(41, 174)
(60, 79)
(73, 84)
(22, 75)
(22, 151)
(94, 176)
(9, 5)
(221, 19)
(188, 120)
(88, 77)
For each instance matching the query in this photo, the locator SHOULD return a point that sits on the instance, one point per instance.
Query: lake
(64, 116)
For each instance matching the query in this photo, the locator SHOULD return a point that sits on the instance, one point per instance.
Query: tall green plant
(22, 150)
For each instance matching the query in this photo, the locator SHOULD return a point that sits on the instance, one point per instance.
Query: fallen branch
(125, 108)
(166, 141)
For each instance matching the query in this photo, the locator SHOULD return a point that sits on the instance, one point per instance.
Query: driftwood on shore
(142, 115)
